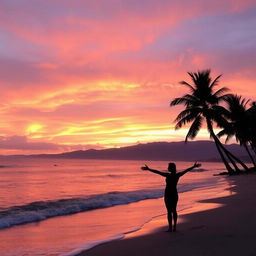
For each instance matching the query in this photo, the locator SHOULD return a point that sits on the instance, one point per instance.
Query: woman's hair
(172, 167)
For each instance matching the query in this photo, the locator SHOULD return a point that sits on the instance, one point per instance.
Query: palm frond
(228, 131)
(224, 97)
(193, 112)
(222, 133)
(220, 121)
(185, 120)
(220, 92)
(218, 110)
(215, 82)
(237, 106)
(237, 100)
(186, 100)
(193, 77)
(190, 97)
(253, 104)
(194, 129)
(191, 88)
(197, 77)
(177, 101)
(229, 136)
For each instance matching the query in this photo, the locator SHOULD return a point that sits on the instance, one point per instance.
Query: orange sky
(82, 74)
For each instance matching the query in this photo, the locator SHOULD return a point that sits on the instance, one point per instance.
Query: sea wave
(199, 170)
(40, 210)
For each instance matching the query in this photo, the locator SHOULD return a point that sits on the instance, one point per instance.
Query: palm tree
(238, 125)
(203, 104)
(251, 113)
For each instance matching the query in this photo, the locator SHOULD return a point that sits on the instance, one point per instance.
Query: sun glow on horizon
(87, 73)
(34, 128)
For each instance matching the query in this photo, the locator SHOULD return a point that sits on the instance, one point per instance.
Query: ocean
(63, 206)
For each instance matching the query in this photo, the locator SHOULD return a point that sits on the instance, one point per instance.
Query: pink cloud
(18, 144)
(70, 64)
(21, 143)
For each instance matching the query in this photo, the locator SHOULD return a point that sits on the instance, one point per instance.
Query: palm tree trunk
(253, 147)
(217, 143)
(225, 151)
(228, 167)
(230, 156)
(228, 153)
(250, 155)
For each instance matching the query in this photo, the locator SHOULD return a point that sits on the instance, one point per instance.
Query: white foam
(87, 246)
(38, 211)
(41, 210)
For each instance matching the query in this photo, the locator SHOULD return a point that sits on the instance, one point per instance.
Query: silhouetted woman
(171, 193)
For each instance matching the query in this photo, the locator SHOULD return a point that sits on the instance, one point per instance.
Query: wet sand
(227, 228)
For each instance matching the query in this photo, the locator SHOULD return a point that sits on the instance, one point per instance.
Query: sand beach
(228, 227)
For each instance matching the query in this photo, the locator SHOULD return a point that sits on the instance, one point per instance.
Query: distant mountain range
(170, 151)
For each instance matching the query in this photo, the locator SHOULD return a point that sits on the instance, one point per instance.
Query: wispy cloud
(66, 66)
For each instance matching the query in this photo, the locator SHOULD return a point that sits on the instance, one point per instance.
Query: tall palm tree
(238, 125)
(203, 104)
(251, 113)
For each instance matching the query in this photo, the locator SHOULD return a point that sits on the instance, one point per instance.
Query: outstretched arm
(146, 168)
(190, 168)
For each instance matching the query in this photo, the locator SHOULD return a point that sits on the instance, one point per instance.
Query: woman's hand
(196, 164)
(145, 168)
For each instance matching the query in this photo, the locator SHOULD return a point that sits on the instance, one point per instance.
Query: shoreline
(65, 234)
(228, 228)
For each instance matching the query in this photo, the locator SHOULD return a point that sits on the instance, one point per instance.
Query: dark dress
(171, 193)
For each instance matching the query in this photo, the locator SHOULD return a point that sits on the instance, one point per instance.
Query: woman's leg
(169, 213)
(174, 214)
(169, 217)
(175, 217)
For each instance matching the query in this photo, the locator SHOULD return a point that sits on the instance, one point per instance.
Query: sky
(79, 74)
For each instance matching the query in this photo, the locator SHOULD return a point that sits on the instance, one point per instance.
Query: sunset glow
(99, 74)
